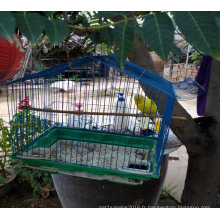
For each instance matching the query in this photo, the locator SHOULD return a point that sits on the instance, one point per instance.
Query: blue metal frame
(130, 69)
(132, 72)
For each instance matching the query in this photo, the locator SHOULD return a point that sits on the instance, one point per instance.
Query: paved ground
(177, 169)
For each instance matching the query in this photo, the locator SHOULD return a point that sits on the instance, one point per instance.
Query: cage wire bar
(67, 118)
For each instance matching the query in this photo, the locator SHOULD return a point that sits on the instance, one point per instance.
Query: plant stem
(98, 27)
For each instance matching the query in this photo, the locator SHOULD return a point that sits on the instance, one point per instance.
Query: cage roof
(130, 69)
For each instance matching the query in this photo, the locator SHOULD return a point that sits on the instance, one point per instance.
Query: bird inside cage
(147, 106)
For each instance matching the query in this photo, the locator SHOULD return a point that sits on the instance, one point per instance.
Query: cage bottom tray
(94, 152)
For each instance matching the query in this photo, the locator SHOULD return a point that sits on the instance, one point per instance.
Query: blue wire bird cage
(82, 118)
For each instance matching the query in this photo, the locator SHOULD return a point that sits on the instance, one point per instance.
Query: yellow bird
(145, 105)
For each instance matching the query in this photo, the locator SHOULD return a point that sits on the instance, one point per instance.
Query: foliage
(159, 33)
(60, 77)
(176, 50)
(123, 39)
(57, 30)
(201, 30)
(30, 24)
(7, 25)
(116, 29)
(5, 147)
(25, 125)
(196, 57)
(42, 67)
(76, 78)
(109, 14)
(38, 179)
(166, 191)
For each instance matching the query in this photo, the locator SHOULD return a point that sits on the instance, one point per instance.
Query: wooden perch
(97, 113)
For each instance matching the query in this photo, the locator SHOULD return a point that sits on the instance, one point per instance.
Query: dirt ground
(21, 196)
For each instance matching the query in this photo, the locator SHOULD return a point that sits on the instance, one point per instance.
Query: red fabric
(11, 57)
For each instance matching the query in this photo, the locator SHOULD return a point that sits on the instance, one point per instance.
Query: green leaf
(139, 32)
(7, 25)
(30, 24)
(123, 40)
(2, 181)
(200, 30)
(159, 33)
(107, 34)
(48, 13)
(216, 14)
(109, 14)
(90, 49)
(95, 37)
(36, 192)
(176, 50)
(57, 30)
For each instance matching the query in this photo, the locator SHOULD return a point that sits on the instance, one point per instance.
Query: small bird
(146, 105)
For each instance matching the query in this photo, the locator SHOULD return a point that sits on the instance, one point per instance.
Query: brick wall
(180, 72)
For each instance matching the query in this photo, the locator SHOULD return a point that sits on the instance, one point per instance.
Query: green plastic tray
(56, 133)
(51, 136)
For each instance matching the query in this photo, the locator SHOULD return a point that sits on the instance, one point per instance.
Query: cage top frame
(132, 70)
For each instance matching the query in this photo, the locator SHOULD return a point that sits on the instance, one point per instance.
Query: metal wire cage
(71, 118)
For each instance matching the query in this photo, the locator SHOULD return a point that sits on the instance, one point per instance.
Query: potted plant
(41, 182)
(6, 174)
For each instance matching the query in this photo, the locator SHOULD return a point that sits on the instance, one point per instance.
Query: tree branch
(99, 27)
(189, 133)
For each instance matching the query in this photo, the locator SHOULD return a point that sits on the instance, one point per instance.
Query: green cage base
(51, 136)
(93, 170)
